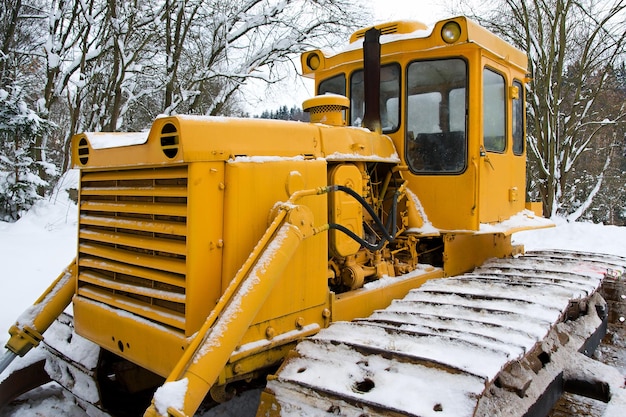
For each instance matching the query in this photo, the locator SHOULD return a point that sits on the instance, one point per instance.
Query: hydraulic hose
(387, 236)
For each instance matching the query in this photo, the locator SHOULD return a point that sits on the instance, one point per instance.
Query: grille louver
(83, 151)
(169, 140)
(132, 241)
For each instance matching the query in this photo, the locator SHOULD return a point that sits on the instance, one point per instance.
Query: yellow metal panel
(287, 329)
(151, 312)
(464, 252)
(536, 207)
(203, 138)
(499, 177)
(356, 144)
(129, 336)
(345, 209)
(204, 241)
(449, 201)
(253, 187)
(362, 302)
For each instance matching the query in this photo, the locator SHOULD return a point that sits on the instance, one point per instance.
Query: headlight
(451, 32)
(313, 61)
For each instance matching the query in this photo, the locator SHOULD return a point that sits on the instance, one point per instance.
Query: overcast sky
(427, 11)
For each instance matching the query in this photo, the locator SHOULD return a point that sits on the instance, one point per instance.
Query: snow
(338, 156)
(263, 159)
(171, 394)
(524, 220)
(104, 140)
(38, 247)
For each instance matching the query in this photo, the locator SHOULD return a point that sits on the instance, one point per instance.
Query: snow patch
(525, 219)
(106, 140)
(171, 394)
(339, 156)
(263, 159)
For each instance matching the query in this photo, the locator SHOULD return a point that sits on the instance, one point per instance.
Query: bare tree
(213, 47)
(573, 45)
(125, 34)
(114, 65)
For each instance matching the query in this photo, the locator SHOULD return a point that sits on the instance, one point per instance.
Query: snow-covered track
(501, 340)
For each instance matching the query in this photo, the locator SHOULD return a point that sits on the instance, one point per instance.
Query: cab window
(333, 85)
(518, 120)
(436, 138)
(494, 111)
(389, 98)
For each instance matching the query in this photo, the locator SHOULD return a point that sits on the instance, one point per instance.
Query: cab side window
(518, 120)
(494, 111)
(334, 85)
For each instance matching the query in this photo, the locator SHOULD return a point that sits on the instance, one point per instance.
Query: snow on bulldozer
(361, 263)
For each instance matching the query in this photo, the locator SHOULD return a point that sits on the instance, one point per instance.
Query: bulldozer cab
(452, 100)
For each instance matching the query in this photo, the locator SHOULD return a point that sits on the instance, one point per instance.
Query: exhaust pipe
(371, 78)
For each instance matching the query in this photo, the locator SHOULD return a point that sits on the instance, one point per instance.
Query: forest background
(68, 66)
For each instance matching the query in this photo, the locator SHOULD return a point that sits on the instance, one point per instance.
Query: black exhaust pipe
(371, 78)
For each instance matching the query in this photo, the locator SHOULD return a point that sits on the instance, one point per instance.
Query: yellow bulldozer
(361, 264)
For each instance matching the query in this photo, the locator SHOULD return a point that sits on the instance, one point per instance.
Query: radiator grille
(132, 241)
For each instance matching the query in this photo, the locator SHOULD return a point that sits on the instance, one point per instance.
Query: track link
(501, 340)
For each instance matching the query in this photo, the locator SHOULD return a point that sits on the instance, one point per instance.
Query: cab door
(502, 163)
(436, 145)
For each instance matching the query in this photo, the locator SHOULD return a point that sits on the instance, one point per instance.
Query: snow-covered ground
(34, 250)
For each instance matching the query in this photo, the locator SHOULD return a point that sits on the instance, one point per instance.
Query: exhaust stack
(371, 76)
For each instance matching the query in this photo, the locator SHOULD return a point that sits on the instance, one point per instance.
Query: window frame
(515, 123)
(408, 139)
(321, 83)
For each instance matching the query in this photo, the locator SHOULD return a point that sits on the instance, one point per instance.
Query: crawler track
(502, 340)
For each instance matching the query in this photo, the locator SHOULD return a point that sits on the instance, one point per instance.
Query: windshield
(389, 98)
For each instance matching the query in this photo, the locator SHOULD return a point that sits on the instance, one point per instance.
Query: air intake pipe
(371, 75)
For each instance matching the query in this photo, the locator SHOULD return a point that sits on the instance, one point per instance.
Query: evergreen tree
(284, 113)
(19, 170)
